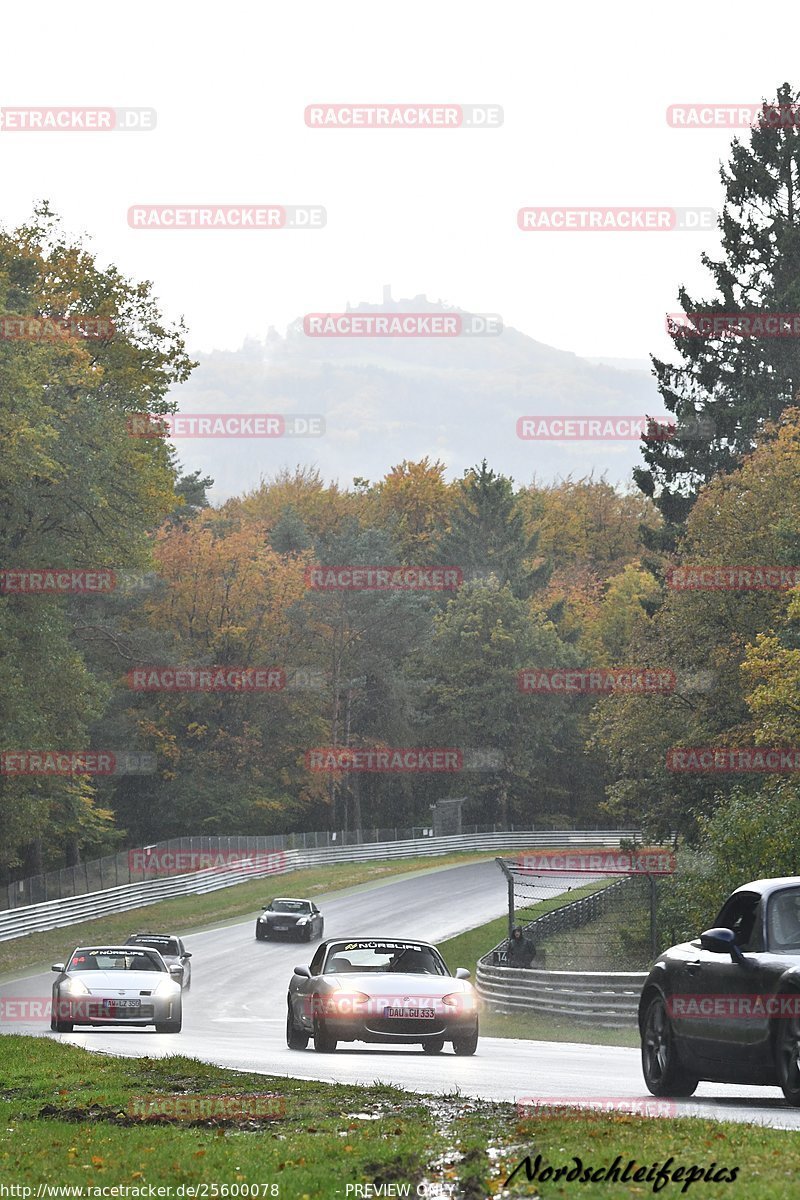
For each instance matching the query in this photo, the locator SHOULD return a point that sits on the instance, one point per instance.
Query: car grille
(407, 1026)
(145, 1012)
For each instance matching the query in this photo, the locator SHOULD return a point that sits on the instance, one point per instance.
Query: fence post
(653, 918)
(510, 879)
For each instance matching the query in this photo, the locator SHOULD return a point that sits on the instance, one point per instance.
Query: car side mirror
(57, 967)
(462, 973)
(721, 941)
(175, 969)
(187, 955)
(303, 972)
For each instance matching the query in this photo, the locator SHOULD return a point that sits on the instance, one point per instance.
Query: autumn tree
(76, 490)
(724, 388)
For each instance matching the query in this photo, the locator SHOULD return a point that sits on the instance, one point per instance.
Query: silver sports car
(381, 990)
(116, 985)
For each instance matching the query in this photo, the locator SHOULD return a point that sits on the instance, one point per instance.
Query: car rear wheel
(433, 1045)
(787, 1054)
(468, 1044)
(169, 1026)
(296, 1039)
(661, 1067)
(324, 1042)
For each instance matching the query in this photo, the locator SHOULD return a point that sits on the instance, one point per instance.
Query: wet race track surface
(235, 1013)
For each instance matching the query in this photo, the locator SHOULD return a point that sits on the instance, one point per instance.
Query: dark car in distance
(288, 917)
(725, 1007)
(171, 949)
(381, 990)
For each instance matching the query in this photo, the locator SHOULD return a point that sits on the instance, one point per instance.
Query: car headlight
(164, 984)
(463, 1001)
(262, 920)
(75, 988)
(343, 1004)
(302, 921)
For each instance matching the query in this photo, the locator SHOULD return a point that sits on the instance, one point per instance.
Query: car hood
(127, 982)
(285, 918)
(395, 983)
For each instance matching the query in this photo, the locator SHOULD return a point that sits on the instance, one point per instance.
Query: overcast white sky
(584, 88)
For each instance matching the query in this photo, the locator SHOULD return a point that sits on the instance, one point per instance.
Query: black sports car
(381, 990)
(726, 1007)
(285, 917)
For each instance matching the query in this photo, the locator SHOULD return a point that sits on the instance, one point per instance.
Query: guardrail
(54, 914)
(569, 916)
(607, 998)
(131, 866)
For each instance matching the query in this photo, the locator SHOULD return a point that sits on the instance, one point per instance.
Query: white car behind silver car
(116, 985)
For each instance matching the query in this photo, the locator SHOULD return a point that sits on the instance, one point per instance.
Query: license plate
(109, 1004)
(281, 928)
(424, 1014)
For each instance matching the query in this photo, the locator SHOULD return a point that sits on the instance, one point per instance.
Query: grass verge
(465, 950)
(185, 913)
(75, 1119)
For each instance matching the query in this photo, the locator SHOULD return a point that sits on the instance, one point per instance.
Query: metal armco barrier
(608, 998)
(602, 998)
(54, 914)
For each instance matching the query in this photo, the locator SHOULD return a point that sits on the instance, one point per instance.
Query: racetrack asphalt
(235, 1013)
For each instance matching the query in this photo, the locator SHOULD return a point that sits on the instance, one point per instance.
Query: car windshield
(410, 958)
(290, 906)
(783, 920)
(166, 946)
(128, 958)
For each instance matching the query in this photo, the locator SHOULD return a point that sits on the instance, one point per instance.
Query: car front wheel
(169, 1026)
(468, 1044)
(661, 1067)
(59, 1026)
(787, 1054)
(324, 1042)
(296, 1039)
